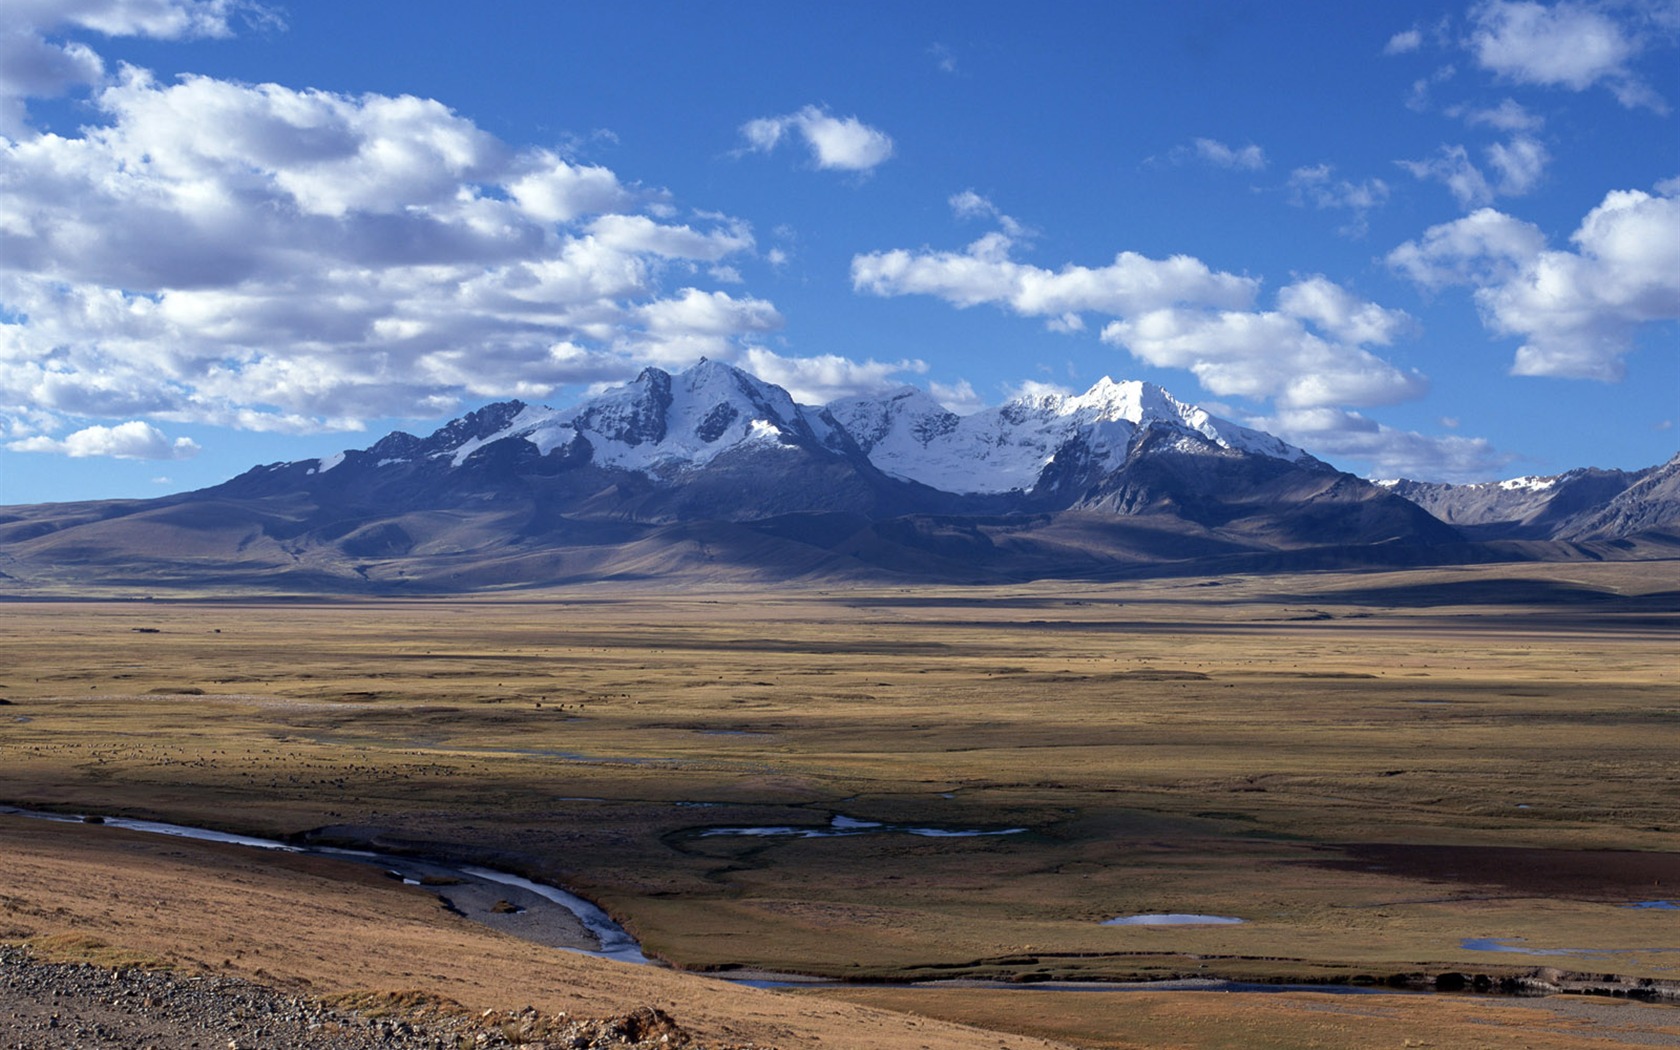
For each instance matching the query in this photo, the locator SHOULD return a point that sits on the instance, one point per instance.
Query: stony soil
(47, 1006)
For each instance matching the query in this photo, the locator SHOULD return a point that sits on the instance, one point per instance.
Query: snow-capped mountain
(668, 428)
(658, 425)
(910, 435)
(663, 425)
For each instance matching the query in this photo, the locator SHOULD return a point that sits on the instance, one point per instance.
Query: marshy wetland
(1383, 776)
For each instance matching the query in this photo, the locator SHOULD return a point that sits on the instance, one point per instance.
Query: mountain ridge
(712, 474)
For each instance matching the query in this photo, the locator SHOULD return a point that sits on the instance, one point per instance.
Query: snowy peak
(1008, 448)
(1111, 402)
(659, 424)
(1145, 403)
(663, 424)
(908, 410)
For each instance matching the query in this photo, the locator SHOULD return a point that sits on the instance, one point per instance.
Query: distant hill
(713, 475)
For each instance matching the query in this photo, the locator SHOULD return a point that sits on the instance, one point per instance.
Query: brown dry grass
(342, 931)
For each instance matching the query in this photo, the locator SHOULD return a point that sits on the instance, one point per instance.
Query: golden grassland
(1292, 1021)
(1367, 768)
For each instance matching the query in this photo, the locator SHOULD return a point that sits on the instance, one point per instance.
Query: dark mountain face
(713, 474)
(1277, 503)
(640, 417)
(1581, 505)
(1650, 504)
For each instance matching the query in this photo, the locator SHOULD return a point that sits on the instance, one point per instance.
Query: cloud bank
(272, 259)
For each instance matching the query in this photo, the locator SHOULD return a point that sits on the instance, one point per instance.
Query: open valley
(1385, 777)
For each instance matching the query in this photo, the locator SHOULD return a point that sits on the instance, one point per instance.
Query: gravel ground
(70, 1006)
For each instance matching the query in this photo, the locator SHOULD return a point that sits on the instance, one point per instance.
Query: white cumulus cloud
(1308, 352)
(135, 439)
(1486, 246)
(1569, 44)
(1578, 312)
(827, 377)
(1174, 313)
(960, 397)
(837, 143)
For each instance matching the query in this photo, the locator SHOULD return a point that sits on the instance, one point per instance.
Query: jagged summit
(1008, 448)
(663, 424)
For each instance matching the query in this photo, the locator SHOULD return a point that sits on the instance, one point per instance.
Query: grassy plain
(1368, 769)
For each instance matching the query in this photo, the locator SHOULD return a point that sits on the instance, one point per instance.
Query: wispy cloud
(971, 205)
(1318, 186)
(835, 143)
(1518, 164)
(1390, 451)
(1509, 115)
(1219, 155)
(1404, 42)
(828, 377)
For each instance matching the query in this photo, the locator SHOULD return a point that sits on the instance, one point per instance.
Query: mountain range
(712, 474)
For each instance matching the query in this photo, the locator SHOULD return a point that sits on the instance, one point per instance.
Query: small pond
(842, 826)
(1173, 919)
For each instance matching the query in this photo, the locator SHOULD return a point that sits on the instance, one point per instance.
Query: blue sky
(1432, 240)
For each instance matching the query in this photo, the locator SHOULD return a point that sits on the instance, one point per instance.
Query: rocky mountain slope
(712, 474)
(1584, 504)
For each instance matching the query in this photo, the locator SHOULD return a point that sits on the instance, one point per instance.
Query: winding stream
(613, 941)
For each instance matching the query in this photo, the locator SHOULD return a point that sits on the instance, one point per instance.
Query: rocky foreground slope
(70, 1006)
